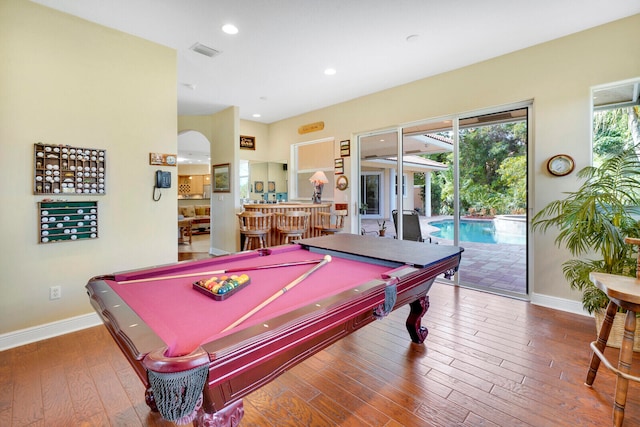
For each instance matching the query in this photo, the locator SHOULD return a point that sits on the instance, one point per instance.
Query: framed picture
(271, 187)
(338, 166)
(258, 187)
(247, 142)
(345, 148)
(221, 178)
(161, 159)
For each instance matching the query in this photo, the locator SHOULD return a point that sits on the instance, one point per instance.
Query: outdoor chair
(410, 225)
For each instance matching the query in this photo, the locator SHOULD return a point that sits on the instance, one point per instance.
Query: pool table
(164, 326)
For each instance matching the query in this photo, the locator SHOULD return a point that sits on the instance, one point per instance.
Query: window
(404, 186)
(616, 118)
(244, 179)
(306, 159)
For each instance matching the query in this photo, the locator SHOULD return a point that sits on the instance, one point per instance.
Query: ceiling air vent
(205, 50)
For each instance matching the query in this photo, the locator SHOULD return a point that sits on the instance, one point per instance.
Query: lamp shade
(319, 178)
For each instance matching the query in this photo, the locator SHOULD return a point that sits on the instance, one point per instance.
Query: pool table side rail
(134, 337)
(255, 361)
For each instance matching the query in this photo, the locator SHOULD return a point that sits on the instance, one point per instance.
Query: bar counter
(273, 238)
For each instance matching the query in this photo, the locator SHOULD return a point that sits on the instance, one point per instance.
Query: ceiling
(275, 65)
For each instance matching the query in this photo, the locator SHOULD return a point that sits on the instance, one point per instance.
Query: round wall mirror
(342, 183)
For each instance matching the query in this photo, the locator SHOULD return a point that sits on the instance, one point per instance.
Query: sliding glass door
(492, 197)
(465, 178)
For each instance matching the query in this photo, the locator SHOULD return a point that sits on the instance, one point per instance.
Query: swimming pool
(476, 231)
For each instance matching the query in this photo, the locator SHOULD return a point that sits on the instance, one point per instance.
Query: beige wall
(556, 75)
(67, 81)
(263, 151)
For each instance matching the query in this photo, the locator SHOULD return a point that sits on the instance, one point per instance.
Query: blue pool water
(476, 231)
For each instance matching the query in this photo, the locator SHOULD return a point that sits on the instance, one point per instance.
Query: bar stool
(326, 227)
(184, 230)
(623, 292)
(292, 224)
(254, 225)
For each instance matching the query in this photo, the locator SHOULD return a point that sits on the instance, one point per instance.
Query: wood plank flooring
(488, 361)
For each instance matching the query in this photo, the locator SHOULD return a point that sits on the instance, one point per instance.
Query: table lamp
(318, 179)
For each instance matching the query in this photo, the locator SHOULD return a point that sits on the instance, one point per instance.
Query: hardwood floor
(197, 249)
(488, 361)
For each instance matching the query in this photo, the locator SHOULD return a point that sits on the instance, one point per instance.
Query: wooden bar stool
(184, 230)
(326, 226)
(254, 225)
(292, 224)
(623, 292)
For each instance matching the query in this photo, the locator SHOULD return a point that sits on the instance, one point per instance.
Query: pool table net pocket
(177, 394)
(390, 296)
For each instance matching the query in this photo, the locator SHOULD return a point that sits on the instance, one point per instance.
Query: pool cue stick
(228, 270)
(278, 294)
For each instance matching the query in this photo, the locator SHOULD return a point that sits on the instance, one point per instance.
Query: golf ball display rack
(62, 169)
(66, 221)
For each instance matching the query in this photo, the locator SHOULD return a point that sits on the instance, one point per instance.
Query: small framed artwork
(345, 148)
(221, 178)
(258, 187)
(338, 166)
(271, 187)
(247, 142)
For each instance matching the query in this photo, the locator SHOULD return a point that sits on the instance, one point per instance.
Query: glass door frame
(455, 119)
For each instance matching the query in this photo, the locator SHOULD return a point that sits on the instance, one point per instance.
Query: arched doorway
(194, 192)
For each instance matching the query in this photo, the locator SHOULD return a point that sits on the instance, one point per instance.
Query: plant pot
(617, 330)
(381, 232)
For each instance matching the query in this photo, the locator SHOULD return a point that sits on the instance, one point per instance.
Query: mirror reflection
(263, 182)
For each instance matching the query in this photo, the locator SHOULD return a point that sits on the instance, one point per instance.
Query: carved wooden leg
(229, 416)
(417, 332)
(150, 400)
(624, 365)
(601, 344)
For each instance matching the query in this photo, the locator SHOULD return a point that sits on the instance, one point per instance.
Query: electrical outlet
(55, 292)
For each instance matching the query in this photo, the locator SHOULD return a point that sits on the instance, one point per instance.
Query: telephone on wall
(163, 180)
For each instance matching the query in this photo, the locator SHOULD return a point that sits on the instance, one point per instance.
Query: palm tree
(595, 219)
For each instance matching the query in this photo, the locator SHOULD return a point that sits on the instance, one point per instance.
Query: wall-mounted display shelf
(65, 221)
(62, 169)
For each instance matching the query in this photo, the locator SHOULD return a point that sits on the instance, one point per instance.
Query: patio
(497, 267)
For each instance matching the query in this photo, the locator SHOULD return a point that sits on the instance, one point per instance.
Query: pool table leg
(229, 416)
(419, 307)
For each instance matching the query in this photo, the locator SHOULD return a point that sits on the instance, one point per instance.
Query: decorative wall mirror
(342, 183)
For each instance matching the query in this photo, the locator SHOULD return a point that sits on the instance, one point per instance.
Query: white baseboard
(562, 304)
(48, 330)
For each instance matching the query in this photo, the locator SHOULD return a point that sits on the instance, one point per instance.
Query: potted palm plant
(595, 219)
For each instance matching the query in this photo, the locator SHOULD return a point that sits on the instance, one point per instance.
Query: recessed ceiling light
(412, 38)
(256, 115)
(330, 71)
(230, 29)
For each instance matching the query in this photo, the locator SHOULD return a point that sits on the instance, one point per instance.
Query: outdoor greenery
(493, 172)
